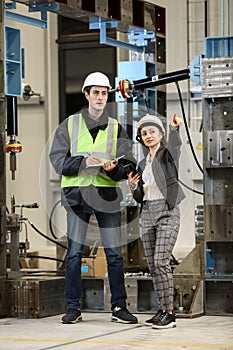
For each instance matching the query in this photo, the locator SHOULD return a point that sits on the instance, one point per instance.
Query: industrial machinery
(211, 258)
(17, 249)
(203, 280)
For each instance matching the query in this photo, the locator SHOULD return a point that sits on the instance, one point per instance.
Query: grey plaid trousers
(159, 229)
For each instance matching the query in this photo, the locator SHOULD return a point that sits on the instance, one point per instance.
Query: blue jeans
(110, 230)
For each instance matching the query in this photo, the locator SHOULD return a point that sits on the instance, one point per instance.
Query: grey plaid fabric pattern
(159, 229)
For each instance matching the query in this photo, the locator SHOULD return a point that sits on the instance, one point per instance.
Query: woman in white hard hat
(156, 187)
(90, 150)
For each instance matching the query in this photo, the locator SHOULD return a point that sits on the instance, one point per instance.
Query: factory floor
(97, 332)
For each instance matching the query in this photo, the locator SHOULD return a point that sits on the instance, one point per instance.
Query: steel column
(217, 90)
(2, 170)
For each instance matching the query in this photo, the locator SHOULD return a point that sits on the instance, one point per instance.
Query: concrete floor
(97, 332)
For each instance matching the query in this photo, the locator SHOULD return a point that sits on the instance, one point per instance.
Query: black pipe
(129, 117)
(161, 79)
(42, 257)
(12, 117)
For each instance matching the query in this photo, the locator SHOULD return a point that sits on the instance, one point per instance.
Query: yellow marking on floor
(217, 346)
(174, 344)
(33, 340)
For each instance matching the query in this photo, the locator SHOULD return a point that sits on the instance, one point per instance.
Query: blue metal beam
(25, 19)
(139, 37)
(43, 8)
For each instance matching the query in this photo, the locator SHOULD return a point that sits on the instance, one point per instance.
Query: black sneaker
(165, 320)
(123, 315)
(153, 319)
(72, 316)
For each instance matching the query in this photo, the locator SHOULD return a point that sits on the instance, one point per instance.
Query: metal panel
(218, 114)
(146, 296)
(219, 148)
(3, 298)
(160, 20)
(132, 292)
(193, 263)
(126, 7)
(219, 296)
(140, 294)
(161, 54)
(217, 77)
(93, 294)
(218, 186)
(135, 259)
(75, 3)
(221, 46)
(149, 16)
(218, 258)
(101, 8)
(36, 297)
(218, 223)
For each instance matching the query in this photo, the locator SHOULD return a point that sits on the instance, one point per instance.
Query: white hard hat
(149, 119)
(98, 79)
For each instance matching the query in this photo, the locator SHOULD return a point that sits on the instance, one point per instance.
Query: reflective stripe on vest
(82, 144)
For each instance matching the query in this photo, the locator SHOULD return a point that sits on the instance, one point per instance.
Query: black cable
(191, 189)
(50, 220)
(186, 127)
(40, 272)
(43, 235)
(42, 257)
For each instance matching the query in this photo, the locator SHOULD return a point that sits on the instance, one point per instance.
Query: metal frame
(43, 8)
(140, 37)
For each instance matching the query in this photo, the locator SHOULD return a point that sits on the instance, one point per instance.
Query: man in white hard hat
(96, 77)
(90, 150)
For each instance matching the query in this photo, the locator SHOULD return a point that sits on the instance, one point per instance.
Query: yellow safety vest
(82, 144)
